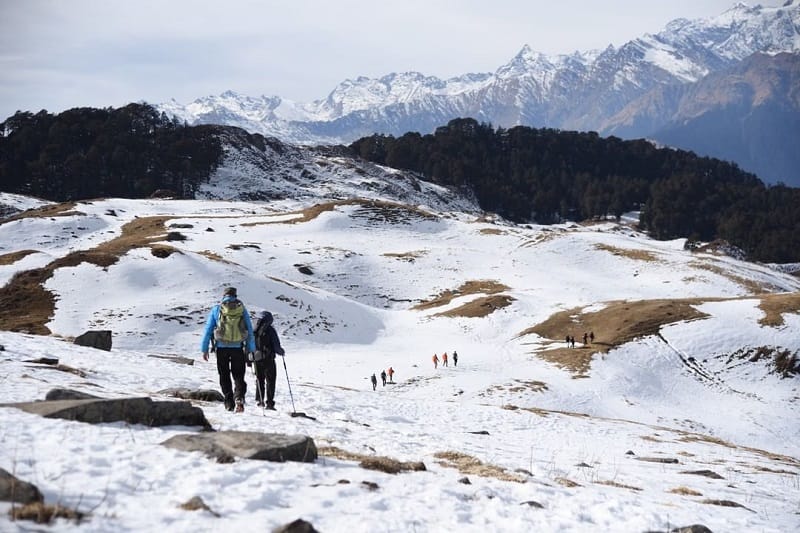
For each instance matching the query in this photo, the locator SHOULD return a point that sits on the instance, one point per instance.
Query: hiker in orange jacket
(444, 359)
(391, 374)
(435, 361)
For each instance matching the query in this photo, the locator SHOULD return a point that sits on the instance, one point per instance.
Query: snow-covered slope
(361, 284)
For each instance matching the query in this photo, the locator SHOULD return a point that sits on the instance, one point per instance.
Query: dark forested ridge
(523, 174)
(128, 152)
(544, 175)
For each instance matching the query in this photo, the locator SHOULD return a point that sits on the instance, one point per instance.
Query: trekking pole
(288, 384)
(260, 390)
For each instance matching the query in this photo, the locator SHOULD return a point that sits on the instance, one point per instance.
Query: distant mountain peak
(578, 91)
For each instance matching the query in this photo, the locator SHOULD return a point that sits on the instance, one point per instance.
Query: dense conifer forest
(128, 152)
(546, 176)
(524, 174)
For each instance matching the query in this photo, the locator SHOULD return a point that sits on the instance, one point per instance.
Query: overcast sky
(58, 54)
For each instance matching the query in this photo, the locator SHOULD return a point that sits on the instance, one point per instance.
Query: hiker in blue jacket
(229, 325)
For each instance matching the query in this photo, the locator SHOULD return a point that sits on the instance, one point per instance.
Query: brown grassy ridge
(65, 209)
(619, 322)
(479, 307)
(26, 289)
(372, 462)
(13, 257)
(310, 213)
(467, 464)
(777, 305)
(639, 255)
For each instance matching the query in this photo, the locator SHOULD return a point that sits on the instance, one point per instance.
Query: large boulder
(248, 445)
(16, 490)
(100, 339)
(68, 394)
(131, 410)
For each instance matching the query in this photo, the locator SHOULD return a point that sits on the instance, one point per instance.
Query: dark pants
(231, 362)
(266, 370)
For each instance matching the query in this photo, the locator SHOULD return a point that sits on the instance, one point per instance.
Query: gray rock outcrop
(131, 410)
(68, 394)
(247, 445)
(18, 491)
(100, 339)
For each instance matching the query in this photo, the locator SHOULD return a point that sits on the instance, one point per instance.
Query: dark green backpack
(231, 328)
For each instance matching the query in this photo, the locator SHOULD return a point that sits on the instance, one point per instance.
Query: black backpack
(263, 343)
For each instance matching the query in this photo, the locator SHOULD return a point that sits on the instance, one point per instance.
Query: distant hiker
(571, 341)
(455, 358)
(567, 340)
(391, 374)
(374, 381)
(229, 324)
(435, 361)
(444, 359)
(591, 336)
(585, 338)
(383, 377)
(267, 346)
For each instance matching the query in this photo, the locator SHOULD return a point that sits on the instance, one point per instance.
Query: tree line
(547, 176)
(129, 152)
(524, 174)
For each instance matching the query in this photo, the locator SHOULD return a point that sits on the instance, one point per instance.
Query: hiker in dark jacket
(383, 377)
(268, 345)
(229, 346)
(374, 381)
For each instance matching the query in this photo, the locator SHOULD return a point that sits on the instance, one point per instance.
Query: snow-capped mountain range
(580, 91)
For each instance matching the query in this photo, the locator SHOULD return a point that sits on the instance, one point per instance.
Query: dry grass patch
(694, 437)
(725, 503)
(467, 464)
(614, 325)
(13, 257)
(750, 285)
(372, 462)
(26, 289)
(777, 305)
(389, 209)
(45, 514)
(492, 231)
(55, 210)
(406, 256)
(618, 485)
(488, 287)
(565, 482)
(638, 255)
(480, 307)
(215, 257)
(685, 491)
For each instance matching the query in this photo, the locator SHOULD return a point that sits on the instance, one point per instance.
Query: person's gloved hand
(205, 356)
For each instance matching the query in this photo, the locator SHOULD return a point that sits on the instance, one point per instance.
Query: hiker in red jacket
(391, 374)
(435, 361)
(444, 359)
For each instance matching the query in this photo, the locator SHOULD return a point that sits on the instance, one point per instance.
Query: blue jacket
(211, 324)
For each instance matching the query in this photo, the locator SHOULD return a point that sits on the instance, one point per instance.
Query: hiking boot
(239, 407)
(228, 405)
(271, 406)
(260, 403)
